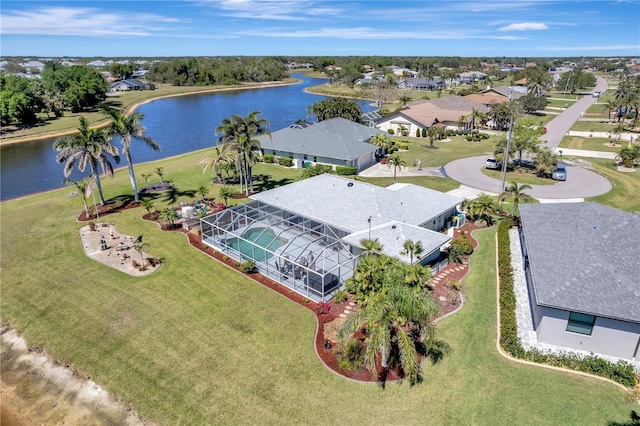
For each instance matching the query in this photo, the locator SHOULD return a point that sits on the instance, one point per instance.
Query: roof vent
(393, 226)
(350, 184)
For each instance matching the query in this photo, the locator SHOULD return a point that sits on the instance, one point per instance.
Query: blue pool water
(260, 241)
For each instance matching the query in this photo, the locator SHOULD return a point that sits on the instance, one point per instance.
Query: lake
(179, 124)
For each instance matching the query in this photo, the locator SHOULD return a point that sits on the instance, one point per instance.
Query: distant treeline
(210, 71)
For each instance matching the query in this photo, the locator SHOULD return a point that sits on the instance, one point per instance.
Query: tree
(337, 107)
(499, 114)
(147, 203)
(203, 190)
(168, 216)
(405, 99)
(239, 133)
(81, 188)
(432, 134)
(628, 155)
(516, 193)
(382, 140)
(481, 208)
(395, 162)
(89, 147)
(412, 249)
(371, 247)
(160, 172)
(221, 154)
(538, 83)
(121, 71)
(526, 137)
(545, 161)
(616, 132)
(531, 103)
(225, 193)
(476, 117)
(399, 328)
(139, 246)
(609, 105)
(129, 128)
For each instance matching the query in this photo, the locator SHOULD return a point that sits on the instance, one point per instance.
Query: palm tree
(395, 162)
(382, 140)
(417, 276)
(482, 207)
(537, 84)
(546, 161)
(160, 172)
(609, 105)
(616, 132)
(147, 203)
(412, 249)
(81, 187)
(432, 134)
(476, 116)
(89, 147)
(239, 132)
(169, 216)
(405, 99)
(628, 155)
(399, 327)
(203, 190)
(139, 246)
(129, 128)
(225, 193)
(516, 192)
(220, 155)
(371, 247)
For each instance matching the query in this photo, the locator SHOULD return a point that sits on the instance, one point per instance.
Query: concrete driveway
(580, 183)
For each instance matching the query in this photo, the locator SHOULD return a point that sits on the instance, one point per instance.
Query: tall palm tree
(412, 249)
(139, 246)
(225, 193)
(220, 155)
(371, 247)
(129, 128)
(239, 132)
(516, 193)
(476, 117)
(396, 162)
(89, 147)
(609, 105)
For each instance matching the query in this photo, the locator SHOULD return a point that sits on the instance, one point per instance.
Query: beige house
(445, 112)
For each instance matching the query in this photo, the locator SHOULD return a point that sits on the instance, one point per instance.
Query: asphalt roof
(584, 257)
(334, 138)
(348, 204)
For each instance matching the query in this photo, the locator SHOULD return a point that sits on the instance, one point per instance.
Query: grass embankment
(197, 343)
(124, 100)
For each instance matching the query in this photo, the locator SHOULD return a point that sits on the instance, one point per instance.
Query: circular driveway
(580, 183)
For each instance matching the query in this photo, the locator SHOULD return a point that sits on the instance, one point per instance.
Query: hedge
(401, 145)
(285, 161)
(268, 158)
(346, 170)
(621, 372)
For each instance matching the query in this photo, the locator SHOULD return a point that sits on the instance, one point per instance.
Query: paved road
(580, 183)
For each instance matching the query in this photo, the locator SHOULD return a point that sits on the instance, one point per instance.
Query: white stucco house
(336, 142)
(307, 235)
(580, 262)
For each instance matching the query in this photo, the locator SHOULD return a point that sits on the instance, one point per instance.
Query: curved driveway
(580, 183)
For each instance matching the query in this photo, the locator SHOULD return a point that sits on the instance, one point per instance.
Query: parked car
(560, 173)
(492, 163)
(596, 94)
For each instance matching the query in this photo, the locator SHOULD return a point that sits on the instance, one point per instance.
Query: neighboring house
(487, 98)
(513, 92)
(581, 268)
(139, 73)
(445, 111)
(307, 235)
(370, 118)
(471, 77)
(420, 84)
(337, 142)
(371, 78)
(130, 84)
(98, 63)
(405, 72)
(31, 65)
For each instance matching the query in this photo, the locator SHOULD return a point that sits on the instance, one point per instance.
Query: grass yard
(626, 186)
(560, 103)
(443, 152)
(592, 126)
(198, 343)
(525, 178)
(591, 144)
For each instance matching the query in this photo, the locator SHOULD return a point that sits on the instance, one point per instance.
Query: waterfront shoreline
(131, 108)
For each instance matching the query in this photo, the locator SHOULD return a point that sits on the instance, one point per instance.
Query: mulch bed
(112, 206)
(334, 309)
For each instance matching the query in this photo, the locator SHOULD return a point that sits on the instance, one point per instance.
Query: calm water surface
(181, 124)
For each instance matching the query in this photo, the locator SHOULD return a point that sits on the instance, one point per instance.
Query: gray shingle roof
(584, 257)
(334, 138)
(347, 204)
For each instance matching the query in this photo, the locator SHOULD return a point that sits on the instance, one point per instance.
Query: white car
(492, 163)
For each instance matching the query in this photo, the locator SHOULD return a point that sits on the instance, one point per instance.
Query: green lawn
(197, 343)
(528, 178)
(592, 126)
(564, 103)
(443, 152)
(590, 144)
(626, 186)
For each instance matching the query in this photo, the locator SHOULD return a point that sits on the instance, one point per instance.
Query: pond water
(180, 124)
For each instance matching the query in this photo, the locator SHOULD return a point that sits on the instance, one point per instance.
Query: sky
(151, 28)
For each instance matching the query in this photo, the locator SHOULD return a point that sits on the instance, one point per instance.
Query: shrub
(268, 158)
(460, 247)
(424, 133)
(285, 161)
(225, 257)
(401, 145)
(248, 267)
(323, 308)
(340, 296)
(390, 131)
(418, 134)
(346, 170)
(350, 356)
(92, 226)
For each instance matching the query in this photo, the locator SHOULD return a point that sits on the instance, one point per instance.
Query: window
(581, 323)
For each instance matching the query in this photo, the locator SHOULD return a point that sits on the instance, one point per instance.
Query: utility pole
(505, 156)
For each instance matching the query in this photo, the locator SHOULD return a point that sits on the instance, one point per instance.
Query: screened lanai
(303, 254)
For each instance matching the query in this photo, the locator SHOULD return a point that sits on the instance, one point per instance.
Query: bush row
(621, 372)
(346, 170)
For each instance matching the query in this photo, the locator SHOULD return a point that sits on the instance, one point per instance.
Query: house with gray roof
(581, 268)
(337, 142)
(308, 235)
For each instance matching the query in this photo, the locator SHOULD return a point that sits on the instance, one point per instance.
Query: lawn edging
(509, 356)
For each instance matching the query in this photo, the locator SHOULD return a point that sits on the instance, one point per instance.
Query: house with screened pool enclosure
(307, 235)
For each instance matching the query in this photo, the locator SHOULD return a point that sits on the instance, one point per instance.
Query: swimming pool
(262, 238)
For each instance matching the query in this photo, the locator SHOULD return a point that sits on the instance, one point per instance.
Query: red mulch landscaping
(451, 303)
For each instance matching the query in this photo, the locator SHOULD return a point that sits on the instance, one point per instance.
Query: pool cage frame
(304, 254)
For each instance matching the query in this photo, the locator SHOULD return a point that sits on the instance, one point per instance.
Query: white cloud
(70, 21)
(524, 26)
